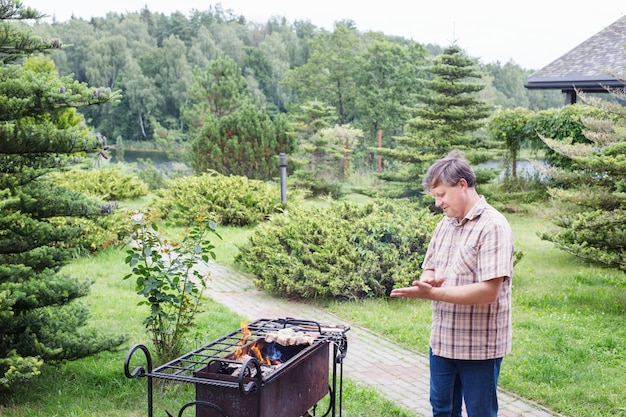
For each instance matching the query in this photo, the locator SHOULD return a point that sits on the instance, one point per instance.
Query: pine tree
(592, 219)
(41, 319)
(228, 132)
(448, 114)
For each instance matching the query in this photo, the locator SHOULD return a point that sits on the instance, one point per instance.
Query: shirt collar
(476, 210)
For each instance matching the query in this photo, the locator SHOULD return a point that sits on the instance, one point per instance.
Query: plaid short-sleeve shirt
(477, 248)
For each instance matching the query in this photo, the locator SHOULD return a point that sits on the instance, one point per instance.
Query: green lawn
(96, 386)
(569, 338)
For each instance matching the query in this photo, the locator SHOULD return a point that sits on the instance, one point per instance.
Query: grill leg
(140, 371)
(338, 360)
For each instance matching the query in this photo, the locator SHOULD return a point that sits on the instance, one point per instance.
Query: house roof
(589, 66)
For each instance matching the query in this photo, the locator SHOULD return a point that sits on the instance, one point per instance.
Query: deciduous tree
(329, 74)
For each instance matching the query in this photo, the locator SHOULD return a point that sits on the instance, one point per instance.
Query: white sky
(532, 33)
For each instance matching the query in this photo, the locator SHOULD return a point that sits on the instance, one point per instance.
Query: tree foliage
(371, 80)
(330, 73)
(505, 89)
(388, 83)
(592, 223)
(511, 127)
(324, 159)
(229, 133)
(445, 118)
(41, 318)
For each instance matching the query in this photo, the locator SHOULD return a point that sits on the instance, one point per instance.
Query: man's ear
(463, 183)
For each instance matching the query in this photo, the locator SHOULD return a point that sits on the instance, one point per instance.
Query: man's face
(451, 198)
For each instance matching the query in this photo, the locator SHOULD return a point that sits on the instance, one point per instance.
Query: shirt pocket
(464, 264)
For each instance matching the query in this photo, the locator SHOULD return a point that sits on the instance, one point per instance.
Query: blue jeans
(452, 381)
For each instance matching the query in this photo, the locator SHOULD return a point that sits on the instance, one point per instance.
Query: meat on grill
(289, 337)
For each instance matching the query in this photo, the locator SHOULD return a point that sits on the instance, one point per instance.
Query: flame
(245, 334)
(254, 349)
(256, 352)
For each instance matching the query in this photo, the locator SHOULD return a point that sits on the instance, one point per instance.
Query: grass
(570, 339)
(96, 386)
(569, 348)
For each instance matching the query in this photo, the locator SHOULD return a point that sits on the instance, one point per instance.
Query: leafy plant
(167, 277)
(108, 183)
(345, 251)
(234, 200)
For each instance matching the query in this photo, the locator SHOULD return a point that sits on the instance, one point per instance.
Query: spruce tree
(446, 118)
(41, 319)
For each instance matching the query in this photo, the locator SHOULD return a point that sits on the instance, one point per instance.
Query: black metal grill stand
(188, 367)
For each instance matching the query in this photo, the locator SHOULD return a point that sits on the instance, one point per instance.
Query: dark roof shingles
(590, 64)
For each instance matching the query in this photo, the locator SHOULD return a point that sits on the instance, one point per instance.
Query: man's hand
(419, 289)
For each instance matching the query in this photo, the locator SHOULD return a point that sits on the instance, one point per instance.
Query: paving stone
(402, 376)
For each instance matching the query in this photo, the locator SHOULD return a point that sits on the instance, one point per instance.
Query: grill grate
(184, 368)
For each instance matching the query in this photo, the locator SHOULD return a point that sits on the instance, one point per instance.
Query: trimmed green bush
(345, 251)
(96, 233)
(109, 184)
(232, 200)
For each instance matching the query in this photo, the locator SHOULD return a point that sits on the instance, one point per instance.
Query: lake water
(525, 167)
(159, 159)
(131, 156)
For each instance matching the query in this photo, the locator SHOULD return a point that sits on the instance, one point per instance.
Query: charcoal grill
(228, 386)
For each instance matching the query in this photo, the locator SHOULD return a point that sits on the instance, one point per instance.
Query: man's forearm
(485, 292)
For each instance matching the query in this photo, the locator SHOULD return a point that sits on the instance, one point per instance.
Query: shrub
(108, 183)
(96, 233)
(342, 251)
(315, 187)
(234, 200)
(149, 174)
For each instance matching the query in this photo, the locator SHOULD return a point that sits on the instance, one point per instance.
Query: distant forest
(155, 60)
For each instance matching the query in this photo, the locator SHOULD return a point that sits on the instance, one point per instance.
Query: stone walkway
(401, 377)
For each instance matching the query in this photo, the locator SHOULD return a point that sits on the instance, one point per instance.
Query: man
(467, 274)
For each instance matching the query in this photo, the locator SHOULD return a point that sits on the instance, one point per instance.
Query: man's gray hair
(449, 171)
